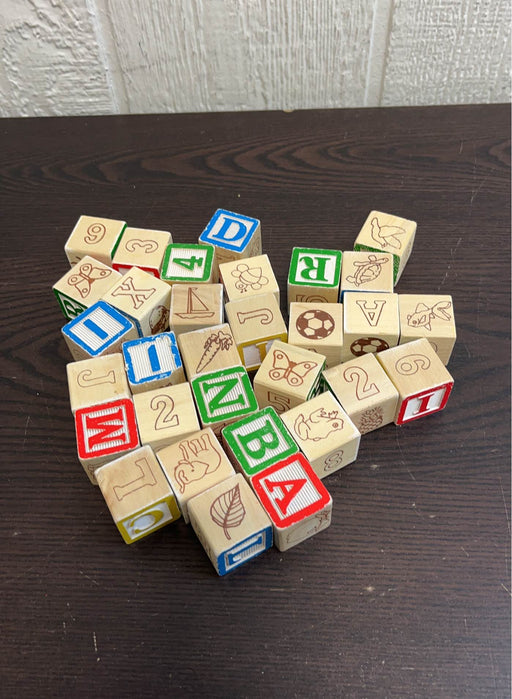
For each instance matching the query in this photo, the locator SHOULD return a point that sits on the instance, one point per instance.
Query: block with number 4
(97, 380)
(324, 432)
(295, 499)
(153, 362)
(314, 275)
(248, 277)
(423, 382)
(429, 316)
(230, 523)
(371, 323)
(195, 306)
(188, 264)
(233, 236)
(97, 237)
(317, 327)
(138, 494)
(83, 285)
(141, 247)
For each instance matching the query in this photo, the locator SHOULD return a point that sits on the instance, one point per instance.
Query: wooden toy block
(153, 362)
(423, 382)
(193, 465)
(248, 277)
(233, 236)
(288, 376)
(255, 322)
(143, 299)
(324, 432)
(208, 350)
(314, 275)
(295, 499)
(430, 316)
(366, 271)
(83, 285)
(317, 327)
(97, 380)
(137, 494)
(365, 392)
(383, 232)
(141, 247)
(98, 330)
(195, 306)
(257, 441)
(371, 323)
(188, 264)
(230, 523)
(223, 397)
(97, 237)
(105, 432)
(165, 415)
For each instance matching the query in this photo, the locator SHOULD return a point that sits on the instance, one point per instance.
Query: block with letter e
(295, 499)
(232, 235)
(138, 494)
(153, 362)
(314, 275)
(423, 382)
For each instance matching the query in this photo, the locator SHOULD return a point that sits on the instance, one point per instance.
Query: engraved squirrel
(318, 425)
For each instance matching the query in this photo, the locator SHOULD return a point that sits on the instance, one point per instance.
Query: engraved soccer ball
(365, 345)
(315, 324)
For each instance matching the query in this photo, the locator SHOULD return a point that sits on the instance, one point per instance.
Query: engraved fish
(367, 271)
(423, 315)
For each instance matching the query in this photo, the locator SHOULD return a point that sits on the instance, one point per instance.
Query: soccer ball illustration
(368, 344)
(315, 324)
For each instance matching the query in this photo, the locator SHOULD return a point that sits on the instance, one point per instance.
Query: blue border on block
(266, 533)
(204, 237)
(148, 340)
(107, 308)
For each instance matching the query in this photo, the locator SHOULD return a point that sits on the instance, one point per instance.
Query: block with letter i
(233, 236)
(97, 237)
(230, 523)
(295, 499)
(247, 277)
(324, 432)
(371, 323)
(83, 285)
(141, 247)
(138, 494)
(255, 323)
(314, 275)
(383, 232)
(188, 264)
(429, 316)
(195, 306)
(257, 441)
(97, 380)
(365, 392)
(317, 327)
(208, 350)
(423, 382)
(153, 362)
(105, 432)
(98, 330)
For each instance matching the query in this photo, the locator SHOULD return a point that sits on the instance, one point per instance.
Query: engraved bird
(387, 236)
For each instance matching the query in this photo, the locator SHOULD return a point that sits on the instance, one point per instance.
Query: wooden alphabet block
(365, 392)
(383, 232)
(208, 350)
(295, 499)
(165, 415)
(248, 277)
(188, 264)
(137, 494)
(314, 275)
(83, 285)
(257, 441)
(255, 323)
(99, 330)
(193, 465)
(223, 397)
(422, 380)
(105, 432)
(153, 362)
(317, 327)
(141, 247)
(230, 523)
(371, 323)
(143, 299)
(195, 306)
(288, 376)
(324, 432)
(430, 316)
(97, 237)
(233, 236)
(98, 380)
(366, 271)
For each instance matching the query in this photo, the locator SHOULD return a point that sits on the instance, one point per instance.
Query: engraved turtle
(367, 270)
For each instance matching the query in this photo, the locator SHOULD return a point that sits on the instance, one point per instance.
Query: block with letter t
(153, 362)
(188, 264)
(232, 235)
(314, 275)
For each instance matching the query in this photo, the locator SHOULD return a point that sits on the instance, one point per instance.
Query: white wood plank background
(65, 57)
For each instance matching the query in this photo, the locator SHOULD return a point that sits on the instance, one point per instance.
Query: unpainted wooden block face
(430, 316)
(84, 284)
(317, 327)
(247, 277)
(141, 247)
(93, 236)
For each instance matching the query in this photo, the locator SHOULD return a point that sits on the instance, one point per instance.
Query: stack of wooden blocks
(192, 397)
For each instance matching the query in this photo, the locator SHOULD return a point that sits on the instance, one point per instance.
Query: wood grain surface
(407, 594)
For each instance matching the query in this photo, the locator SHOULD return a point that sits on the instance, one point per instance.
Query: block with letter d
(153, 362)
(232, 235)
(314, 275)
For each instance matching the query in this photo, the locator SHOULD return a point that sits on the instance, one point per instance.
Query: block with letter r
(258, 441)
(233, 236)
(314, 275)
(153, 362)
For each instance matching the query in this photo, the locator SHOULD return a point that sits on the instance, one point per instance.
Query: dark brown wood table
(407, 594)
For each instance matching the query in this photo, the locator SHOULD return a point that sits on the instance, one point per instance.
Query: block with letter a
(314, 275)
(371, 323)
(295, 499)
(104, 432)
(423, 382)
(153, 362)
(233, 236)
(138, 494)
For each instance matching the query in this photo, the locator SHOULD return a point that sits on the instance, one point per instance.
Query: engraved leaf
(228, 510)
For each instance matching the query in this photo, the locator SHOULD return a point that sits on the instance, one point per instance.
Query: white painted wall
(65, 57)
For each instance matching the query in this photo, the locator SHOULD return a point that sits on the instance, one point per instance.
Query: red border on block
(403, 407)
(130, 433)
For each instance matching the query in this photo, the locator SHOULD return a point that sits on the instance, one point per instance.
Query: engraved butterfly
(87, 275)
(292, 372)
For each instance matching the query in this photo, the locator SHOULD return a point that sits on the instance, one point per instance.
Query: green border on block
(284, 437)
(116, 244)
(60, 296)
(292, 274)
(241, 377)
(208, 262)
(358, 247)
